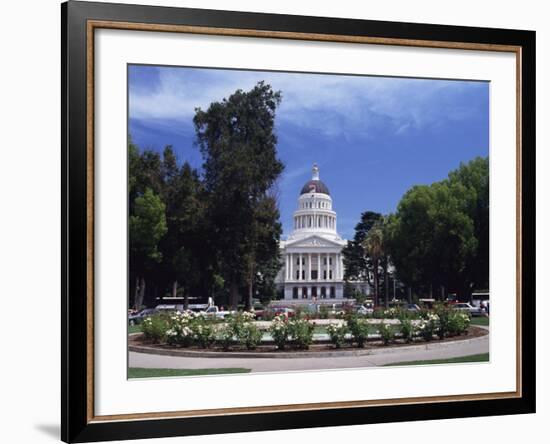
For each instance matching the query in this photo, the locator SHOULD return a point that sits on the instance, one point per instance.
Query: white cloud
(327, 103)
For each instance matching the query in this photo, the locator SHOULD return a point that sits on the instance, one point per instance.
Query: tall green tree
(265, 262)
(147, 225)
(182, 250)
(238, 143)
(439, 234)
(357, 263)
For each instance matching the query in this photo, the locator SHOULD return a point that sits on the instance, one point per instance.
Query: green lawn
(480, 320)
(134, 329)
(483, 357)
(135, 372)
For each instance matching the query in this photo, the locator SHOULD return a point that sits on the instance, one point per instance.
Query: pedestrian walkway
(449, 350)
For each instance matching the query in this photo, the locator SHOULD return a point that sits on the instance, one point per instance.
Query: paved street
(377, 358)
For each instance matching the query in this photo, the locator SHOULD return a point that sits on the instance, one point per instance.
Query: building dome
(315, 185)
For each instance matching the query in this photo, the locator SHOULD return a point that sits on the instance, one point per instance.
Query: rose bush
(386, 332)
(301, 333)
(279, 331)
(359, 328)
(337, 334)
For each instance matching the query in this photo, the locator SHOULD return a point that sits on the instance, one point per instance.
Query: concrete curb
(298, 354)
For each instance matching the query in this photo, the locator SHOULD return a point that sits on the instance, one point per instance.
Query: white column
(309, 266)
(300, 277)
(337, 267)
(319, 266)
(327, 265)
(286, 267)
(291, 266)
(341, 266)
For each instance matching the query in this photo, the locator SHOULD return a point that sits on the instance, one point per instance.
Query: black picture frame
(76, 423)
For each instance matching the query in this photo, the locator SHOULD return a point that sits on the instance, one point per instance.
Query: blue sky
(372, 137)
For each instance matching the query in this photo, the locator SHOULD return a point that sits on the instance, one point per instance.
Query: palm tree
(374, 248)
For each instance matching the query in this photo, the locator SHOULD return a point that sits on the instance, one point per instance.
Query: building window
(314, 274)
(330, 274)
(330, 261)
(303, 275)
(325, 274)
(297, 274)
(294, 292)
(332, 292)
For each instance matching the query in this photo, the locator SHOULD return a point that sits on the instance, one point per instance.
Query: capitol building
(313, 267)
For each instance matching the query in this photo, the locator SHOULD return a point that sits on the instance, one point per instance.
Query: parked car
(137, 318)
(412, 307)
(468, 308)
(362, 310)
(285, 311)
(169, 307)
(427, 302)
(215, 312)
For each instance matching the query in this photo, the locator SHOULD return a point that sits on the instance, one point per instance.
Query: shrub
(359, 329)
(203, 332)
(407, 330)
(323, 312)
(179, 330)
(249, 336)
(337, 334)
(225, 337)
(428, 326)
(239, 327)
(279, 331)
(155, 327)
(444, 314)
(458, 322)
(393, 313)
(300, 312)
(301, 332)
(386, 332)
(378, 313)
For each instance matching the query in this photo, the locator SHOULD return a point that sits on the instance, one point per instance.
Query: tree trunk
(386, 286)
(375, 277)
(234, 295)
(410, 295)
(185, 299)
(175, 289)
(141, 294)
(136, 291)
(250, 288)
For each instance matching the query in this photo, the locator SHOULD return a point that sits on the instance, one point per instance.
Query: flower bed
(241, 332)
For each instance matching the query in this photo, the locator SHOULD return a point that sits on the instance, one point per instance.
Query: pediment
(313, 241)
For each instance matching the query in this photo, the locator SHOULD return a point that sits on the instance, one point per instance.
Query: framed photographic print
(276, 221)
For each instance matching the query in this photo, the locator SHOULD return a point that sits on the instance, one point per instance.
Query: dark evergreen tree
(236, 137)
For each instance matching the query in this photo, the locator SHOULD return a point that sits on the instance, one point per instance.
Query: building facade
(313, 266)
